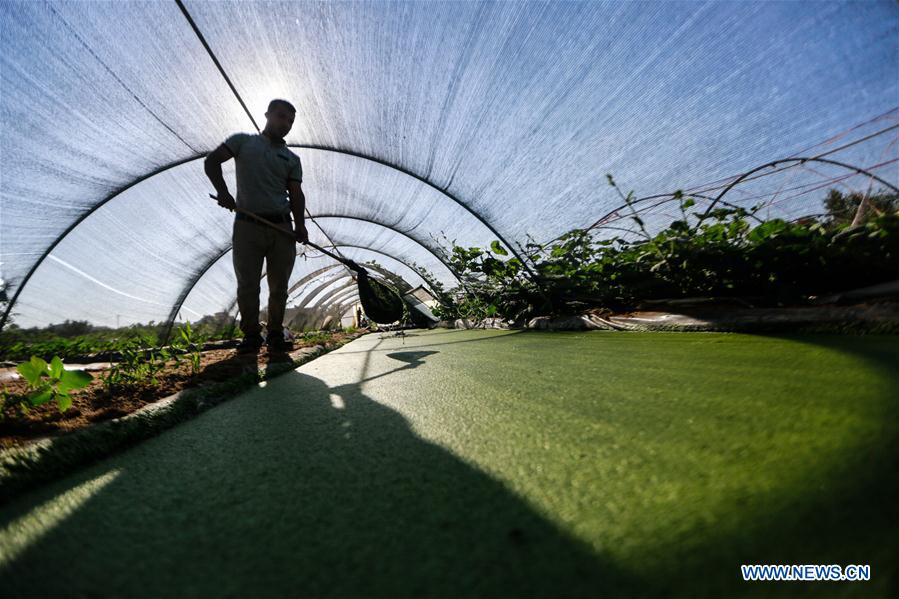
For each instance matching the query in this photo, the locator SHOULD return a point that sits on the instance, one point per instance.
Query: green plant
(138, 365)
(4, 403)
(228, 332)
(491, 284)
(722, 252)
(192, 345)
(76, 339)
(52, 381)
(12, 402)
(316, 337)
(447, 307)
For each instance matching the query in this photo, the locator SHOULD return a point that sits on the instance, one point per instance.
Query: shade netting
(419, 124)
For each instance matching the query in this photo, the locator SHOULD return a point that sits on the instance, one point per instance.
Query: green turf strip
(497, 463)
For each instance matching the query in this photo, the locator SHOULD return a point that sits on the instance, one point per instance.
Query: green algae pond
(497, 463)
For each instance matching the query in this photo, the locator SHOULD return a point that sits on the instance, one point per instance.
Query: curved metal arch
(311, 276)
(383, 271)
(360, 247)
(299, 283)
(406, 235)
(112, 195)
(337, 312)
(77, 222)
(349, 301)
(314, 274)
(341, 292)
(176, 307)
(336, 300)
(341, 309)
(347, 298)
(183, 297)
(318, 289)
(742, 177)
(669, 196)
(328, 318)
(390, 278)
(196, 279)
(340, 288)
(800, 160)
(426, 181)
(346, 302)
(346, 307)
(179, 302)
(307, 319)
(410, 267)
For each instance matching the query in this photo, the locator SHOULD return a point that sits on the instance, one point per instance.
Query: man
(269, 178)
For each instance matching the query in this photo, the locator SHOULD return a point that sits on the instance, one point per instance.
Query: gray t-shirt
(263, 169)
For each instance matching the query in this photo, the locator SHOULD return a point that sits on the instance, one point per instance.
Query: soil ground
(98, 403)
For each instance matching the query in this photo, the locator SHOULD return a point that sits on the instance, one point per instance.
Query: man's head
(279, 118)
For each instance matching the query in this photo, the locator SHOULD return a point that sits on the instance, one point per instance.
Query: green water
(495, 463)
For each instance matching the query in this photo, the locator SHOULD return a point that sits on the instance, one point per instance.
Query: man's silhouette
(269, 179)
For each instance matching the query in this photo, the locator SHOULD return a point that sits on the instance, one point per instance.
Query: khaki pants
(253, 243)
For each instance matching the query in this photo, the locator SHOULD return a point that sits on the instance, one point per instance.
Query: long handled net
(381, 302)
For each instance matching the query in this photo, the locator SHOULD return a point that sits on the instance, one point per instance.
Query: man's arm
(298, 208)
(213, 167)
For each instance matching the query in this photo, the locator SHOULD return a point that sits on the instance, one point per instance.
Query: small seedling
(137, 366)
(193, 346)
(52, 381)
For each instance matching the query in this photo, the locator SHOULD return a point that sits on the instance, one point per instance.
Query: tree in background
(853, 208)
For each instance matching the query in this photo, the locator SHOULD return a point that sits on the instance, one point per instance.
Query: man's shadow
(235, 365)
(301, 489)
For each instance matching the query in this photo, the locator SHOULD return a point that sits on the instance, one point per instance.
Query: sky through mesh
(416, 120)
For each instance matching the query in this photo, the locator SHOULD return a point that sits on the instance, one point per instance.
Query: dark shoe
(277, 342)
(249, 345)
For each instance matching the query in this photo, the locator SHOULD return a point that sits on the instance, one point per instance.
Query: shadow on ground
(299, 489)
